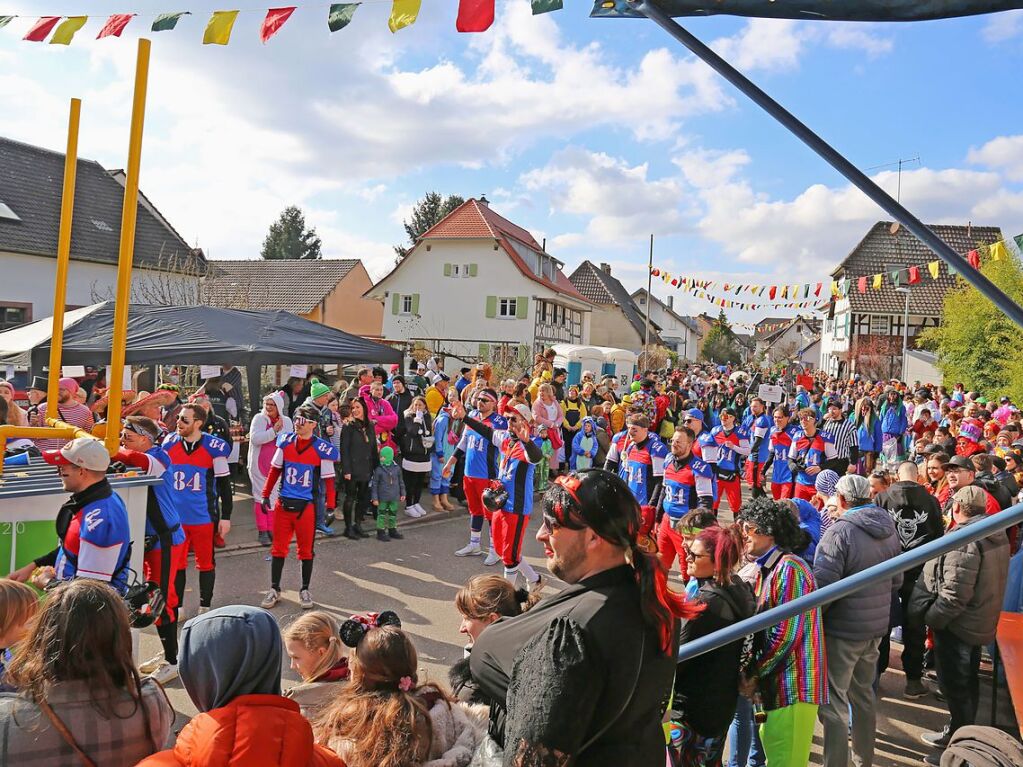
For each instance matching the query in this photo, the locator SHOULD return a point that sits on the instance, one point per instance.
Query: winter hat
(971, 429)
(318, 390)
(70, 384)
(825, 482)
(387, 455)
(635, 386)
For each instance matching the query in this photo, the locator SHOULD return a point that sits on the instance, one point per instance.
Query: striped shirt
(72, 413)
(792, 667)
(842, 433)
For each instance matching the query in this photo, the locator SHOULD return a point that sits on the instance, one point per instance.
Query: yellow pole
(127, 249)
(67, 209)
(55, 430)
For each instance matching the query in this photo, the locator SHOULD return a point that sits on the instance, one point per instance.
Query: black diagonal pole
(859, 179)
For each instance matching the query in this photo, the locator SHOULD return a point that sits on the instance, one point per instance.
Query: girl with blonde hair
(317, 654)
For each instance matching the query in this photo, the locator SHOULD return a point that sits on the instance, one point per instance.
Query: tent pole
(860, 180)
(67, 209)
(126, 252)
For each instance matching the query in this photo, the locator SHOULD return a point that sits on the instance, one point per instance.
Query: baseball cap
(84, 452)
(524, 411)
(695, 413)
(729, 411)
(972, 498)
(959, 462)
(68, 383)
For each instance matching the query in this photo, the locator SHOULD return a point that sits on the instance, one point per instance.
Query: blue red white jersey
(303, 465)
(515, 472)
(638, 463)
(685, 480)
(97, 544)
(811, 451)
(758, 427)
(781, 444)
(705, 447)
(166, 498)
(194, 468)
(730, 446)
(482, 456)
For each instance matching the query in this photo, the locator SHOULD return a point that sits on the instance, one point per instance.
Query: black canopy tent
(194, 335)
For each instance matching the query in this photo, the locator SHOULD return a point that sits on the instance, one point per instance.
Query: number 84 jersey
(194, 468)
(303, 465)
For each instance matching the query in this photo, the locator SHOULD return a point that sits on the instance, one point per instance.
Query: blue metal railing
(954, 540)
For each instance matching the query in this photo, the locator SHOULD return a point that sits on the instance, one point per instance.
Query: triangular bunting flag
(41, 29)
(896, 277)
(933, 268)
(817, 292)
(218, 28)
(275, 18)
(876, 282)
(784, 291)
(952, 271)
(1018, 239)
(974, 258)
(843, 286)
(861, 284)
(65, 33)
(115, 25)
(546, 6)
(403, 14)
(773, 292)
(914, 275)
(806, 290)
(167, 21)
(5, 20)
(997, 251)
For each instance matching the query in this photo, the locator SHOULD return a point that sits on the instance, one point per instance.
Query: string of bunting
(725, 303)
(473, 16)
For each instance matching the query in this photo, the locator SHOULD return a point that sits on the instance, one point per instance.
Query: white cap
(524, 411)
(84, 452)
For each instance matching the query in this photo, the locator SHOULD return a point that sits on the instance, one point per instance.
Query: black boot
(382, 535)
(357, 527)
(393, 532)
(346, 510)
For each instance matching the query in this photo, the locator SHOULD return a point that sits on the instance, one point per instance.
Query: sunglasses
(690, 554)
(186, 421)
(300, 421)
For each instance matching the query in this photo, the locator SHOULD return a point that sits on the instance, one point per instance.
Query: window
(507, 308)
(406, 304)
(11, 316)
(879, 326)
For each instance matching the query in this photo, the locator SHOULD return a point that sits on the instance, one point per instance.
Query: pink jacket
(540, 414)
(379, 412)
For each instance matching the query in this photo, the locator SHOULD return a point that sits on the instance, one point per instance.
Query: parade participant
(267, 425)
(790, 670)
(36, 393)
(842, 433)
(637, 456)
(868, 432)
(447, 432)
(971, 432)
(510, 514)
(314, 646)
(436, 394)
(757, 426)
(359, 457)
(729, 446)
(810, 449)
(92, 525)
(894, 424)
(67, 410)
(777, 465)
(75, 683)
(165, 552)
(200, 475)
(386, 490)
(688, 484)
(481, 459)
(303, 463)
(584, 445)
(617, 605)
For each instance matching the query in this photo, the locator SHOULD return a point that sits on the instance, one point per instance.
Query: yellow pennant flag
(933, 268)
(877, 282)
(218, 29)
(66, 31)
(403, 14)
(997, 249)
(794, 290)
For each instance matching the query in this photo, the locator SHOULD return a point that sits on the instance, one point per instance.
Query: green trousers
(788, 733)
(387, 515)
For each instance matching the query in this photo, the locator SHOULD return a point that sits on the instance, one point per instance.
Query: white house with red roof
(476, 287)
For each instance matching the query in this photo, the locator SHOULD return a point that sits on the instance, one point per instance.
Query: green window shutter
(521, 307)
(447, 270)
(472, 270)
(484, 351)
(491, 306)
(415, 303)
(395, 303)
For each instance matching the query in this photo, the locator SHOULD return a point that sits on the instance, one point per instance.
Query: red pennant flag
(914, 275)
(774, 291)
(115, 25)
(817, 292)
(274, 20)
(973, 257)
(474, 15)
(41, 29)
(861, 284)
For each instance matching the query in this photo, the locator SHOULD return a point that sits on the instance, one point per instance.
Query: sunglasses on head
(300, 421)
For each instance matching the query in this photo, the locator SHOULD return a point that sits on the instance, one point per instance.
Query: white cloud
(1003, 26)
(1004, 152)
(858, 37)
(768, 44)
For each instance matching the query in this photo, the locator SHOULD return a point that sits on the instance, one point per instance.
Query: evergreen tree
(289, 238)
(427, 212)
(720, 345)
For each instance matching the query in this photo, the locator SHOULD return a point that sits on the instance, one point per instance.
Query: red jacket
(267, 730)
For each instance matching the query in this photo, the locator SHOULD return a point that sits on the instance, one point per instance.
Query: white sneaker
(305, 599)
(492, 558)
(412, 512)
(167, 672)
(151, 665)
(273, 596)
(469, 550)
(420, 511)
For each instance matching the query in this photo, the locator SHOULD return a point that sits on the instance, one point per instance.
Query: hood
(593, 426)
(873, 520)
(230, 651)
(277, 398)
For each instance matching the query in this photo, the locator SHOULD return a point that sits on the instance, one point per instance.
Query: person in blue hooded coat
(584, 445)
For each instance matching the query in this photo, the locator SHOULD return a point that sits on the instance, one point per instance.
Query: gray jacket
(969, 584)
(386, 483)
(859, 539)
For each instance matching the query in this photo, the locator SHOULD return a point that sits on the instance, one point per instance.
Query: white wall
(674, 332)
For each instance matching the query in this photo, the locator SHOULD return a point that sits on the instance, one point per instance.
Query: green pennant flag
(895, 278)
(167, 21)
(1018, 239)
(340, 15)
(5, 20)
(546, 6)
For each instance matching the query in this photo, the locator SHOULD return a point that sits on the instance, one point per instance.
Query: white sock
(511, 574)
(474, 538)
(527, 570)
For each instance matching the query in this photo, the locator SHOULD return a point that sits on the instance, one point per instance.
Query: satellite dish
(894, 228)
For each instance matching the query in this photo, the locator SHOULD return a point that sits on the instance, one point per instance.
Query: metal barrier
(954, 540)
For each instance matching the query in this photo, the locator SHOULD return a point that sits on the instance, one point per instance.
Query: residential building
(863, 331)
(679, 333)
(783, 340)
(166, 269)
(616, 321)
(478, 287)
(329, 291)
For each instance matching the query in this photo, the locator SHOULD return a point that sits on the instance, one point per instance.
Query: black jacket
(996, 488)
(358, 451)
(413, 434)
(916, 512)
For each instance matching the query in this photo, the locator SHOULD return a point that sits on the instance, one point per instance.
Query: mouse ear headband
(355, 628)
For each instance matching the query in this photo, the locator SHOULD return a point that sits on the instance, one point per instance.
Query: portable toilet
(575, 359)
(620, 363)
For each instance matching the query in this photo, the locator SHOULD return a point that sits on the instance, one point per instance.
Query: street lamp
(905, 329)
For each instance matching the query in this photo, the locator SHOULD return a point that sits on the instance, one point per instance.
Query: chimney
(606, 268)
(671, 302)
(484, 200)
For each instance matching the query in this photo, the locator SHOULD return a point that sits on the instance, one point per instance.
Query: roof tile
(294, 285)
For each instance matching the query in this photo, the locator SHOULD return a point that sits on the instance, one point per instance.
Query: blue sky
(592, 133)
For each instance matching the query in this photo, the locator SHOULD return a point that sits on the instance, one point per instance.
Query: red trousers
(152, 570)
(671, 545)
(731, 488)
(199, 538)
(507, 530)
(783, 490)
(301, 525)
(748, 472)
(473, 488)
(806, 492)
